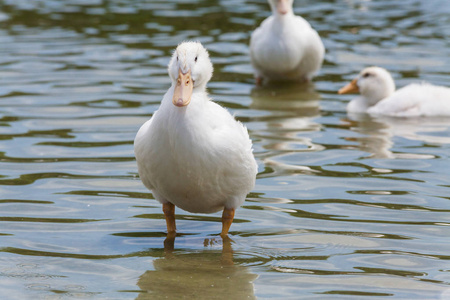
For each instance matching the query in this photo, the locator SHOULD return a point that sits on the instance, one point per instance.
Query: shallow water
(345, 207)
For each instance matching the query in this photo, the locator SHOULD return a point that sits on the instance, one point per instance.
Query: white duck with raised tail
(378, 96)
(285, 47)
(192, 153)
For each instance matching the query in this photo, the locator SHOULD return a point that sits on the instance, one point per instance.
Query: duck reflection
(204, 274)
(376, 136)
(378, 133)
(289, 110)
(299, 98)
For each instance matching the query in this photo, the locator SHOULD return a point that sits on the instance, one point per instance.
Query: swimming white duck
(378, 96)
(192, 153)
(285, 47)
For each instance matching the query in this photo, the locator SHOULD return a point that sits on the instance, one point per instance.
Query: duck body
(379, 97)
(415, 100)
(192, 153)
(196, 157)
(285, 48)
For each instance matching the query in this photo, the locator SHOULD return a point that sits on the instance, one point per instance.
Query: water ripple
(344, 205)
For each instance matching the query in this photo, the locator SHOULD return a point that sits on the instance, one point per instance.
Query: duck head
(373, 83)
(281, 7)
(190, 68)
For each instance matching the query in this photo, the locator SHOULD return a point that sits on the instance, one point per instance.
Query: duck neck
(373, 97)
(282, 18)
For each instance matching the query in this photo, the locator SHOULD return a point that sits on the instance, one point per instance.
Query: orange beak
(282, 6)
(351, 88)
(183, 89)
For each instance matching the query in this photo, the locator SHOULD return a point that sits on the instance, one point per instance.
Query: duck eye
(196, 59)
(365, 75)
(177, 58)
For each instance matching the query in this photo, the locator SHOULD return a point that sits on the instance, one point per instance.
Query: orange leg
(169, 213)
(227, 219)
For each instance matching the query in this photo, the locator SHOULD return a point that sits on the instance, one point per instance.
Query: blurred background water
(345, 207)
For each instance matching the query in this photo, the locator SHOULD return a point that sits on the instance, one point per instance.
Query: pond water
(345, 206)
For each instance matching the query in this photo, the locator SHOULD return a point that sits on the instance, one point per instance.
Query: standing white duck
(192, 153)
(285, 47)
(378, 96)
